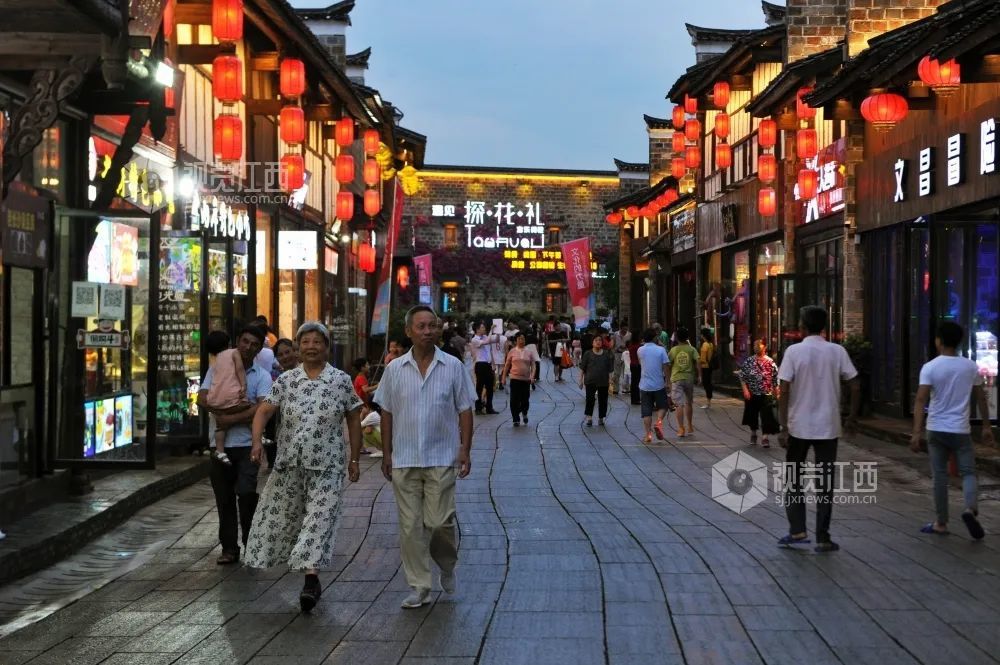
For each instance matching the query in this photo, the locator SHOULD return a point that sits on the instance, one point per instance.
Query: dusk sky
(533, 83)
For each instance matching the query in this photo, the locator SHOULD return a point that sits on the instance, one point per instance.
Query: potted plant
(860, 351)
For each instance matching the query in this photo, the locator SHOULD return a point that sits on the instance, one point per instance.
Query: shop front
(682, 287)
(929, 212)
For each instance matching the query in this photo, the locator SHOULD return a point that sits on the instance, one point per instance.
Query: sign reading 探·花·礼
(502, 225)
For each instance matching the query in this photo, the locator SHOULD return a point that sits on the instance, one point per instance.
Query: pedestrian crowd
(280, 405)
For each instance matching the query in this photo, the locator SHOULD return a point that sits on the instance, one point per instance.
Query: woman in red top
(361, 385)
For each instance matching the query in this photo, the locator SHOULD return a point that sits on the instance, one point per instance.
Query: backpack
(713, 360)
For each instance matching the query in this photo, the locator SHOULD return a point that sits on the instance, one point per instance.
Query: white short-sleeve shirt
(815, 368)
(950, 379)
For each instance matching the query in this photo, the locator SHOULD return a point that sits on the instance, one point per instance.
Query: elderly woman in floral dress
(759, 378)
(299, 510)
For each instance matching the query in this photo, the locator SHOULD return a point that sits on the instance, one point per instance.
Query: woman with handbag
(759, 378)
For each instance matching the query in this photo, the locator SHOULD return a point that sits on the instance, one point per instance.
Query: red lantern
(678, 117)
(227, 20)
(671, 196)
(678, 142)
(292, 173)
(720, 95)
(403, 277)
(614, 218)
(943, 77)
(677, 168)
(292, 77)
(766, 202)
(723, 156)
(806, 143)
(227, 79)
(371, 141)
(632, 211)
(722, 125)
(767, 133)
(373, 202)
(767, 168)
(344, 132)
(692, 129)
(808, 182)
(884, 110)
(292, 124)
(692, 157)
(372, 172)
(344, 168)
(345, 205)
(168, 19)
(690, 104)
(227, 138)
(803, 110)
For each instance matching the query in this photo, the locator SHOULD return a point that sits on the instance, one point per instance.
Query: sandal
(648, 438)
(929, 528)
(789, 540)
(658, 428)
(973, 525)
(222, 457)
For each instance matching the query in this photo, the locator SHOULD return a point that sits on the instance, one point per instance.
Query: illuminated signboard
(503, 225)
(531, 259)
(830, 168)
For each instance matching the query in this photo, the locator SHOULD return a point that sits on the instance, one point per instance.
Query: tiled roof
(783, 87)
(715, 34)
(643, 196)
(360, 59)
(773, 13)
(339, 11)
(657, 123)
(958, 27)
(690, 78)
(632, 167)
(710, 70)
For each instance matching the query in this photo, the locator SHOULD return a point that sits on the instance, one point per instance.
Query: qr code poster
(112, 302)
(84, 302)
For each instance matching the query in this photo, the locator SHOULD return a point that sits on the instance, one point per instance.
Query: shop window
(449, 301)
(553, 236)
(555, 302)
(882, 306)
(451, 237)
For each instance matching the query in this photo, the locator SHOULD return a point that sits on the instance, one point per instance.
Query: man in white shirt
(950, 382)
(482, 356)
(809, 409)
(426, 397)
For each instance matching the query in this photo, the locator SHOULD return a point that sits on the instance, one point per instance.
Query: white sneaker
(417, 598)
(377, 453)
(448, 581)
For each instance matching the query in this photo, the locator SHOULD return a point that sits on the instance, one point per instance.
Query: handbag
(566, 361)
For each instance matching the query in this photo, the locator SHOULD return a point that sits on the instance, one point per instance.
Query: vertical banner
(424, 266)
(380, 316)
(576, 256)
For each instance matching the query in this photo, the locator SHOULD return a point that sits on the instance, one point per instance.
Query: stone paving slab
(578, 545)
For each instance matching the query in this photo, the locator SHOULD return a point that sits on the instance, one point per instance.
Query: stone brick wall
(871, 18)
(336, 46)
(815, 25)
(491, 284)
(660, 154)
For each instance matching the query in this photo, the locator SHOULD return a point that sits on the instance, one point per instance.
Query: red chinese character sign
(423, 264)
(829, 165)
(576, 255)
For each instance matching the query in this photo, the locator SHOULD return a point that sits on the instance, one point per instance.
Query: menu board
(123, 421)
(179, 341)
(180, 264)
(104, 422)
(88, 430)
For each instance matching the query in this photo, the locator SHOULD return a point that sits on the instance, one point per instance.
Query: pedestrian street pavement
(578, 545)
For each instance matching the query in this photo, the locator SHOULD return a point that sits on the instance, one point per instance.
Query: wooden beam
(202, 54)
(193, 13)
(264, 106)
(986, 70)
(843, 110)
(32, 62)
(266, 62)
(788, 121)
(49, 43)
(323, 112)
(740, 82)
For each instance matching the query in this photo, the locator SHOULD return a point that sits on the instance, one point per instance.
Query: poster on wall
(99, 258)
(424, 267)
(217, 271)
(180, 264)
(241, 275)
(296, 250)
(123, 421)
(88, 429)
(25, 228)
(104, 425)
(124, 255)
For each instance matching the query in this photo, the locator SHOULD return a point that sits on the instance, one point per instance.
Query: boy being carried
(228, 393)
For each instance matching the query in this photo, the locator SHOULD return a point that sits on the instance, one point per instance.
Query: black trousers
(601, 392)
(634, 388)
(795, 506)
(484, 381)
(759, 414)
(520, 398)
(235, 488)
(706, 381)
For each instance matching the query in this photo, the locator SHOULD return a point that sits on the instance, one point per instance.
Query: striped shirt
(425, 409)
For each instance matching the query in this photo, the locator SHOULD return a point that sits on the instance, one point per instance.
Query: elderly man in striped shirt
(427, 397)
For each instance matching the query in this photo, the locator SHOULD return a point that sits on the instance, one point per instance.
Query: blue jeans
(940, 445)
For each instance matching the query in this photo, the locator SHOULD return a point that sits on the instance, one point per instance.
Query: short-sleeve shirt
(522, 362)
(360, 383)
(425, 409)
(652, 358)
(951, 379)
(815, 368)
(311, 433)
(760, 373)
(683, 363)
(258, 386)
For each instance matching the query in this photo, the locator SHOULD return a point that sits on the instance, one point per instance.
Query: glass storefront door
(782, 315)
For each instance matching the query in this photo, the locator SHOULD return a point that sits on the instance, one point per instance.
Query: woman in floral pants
(299, 511)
